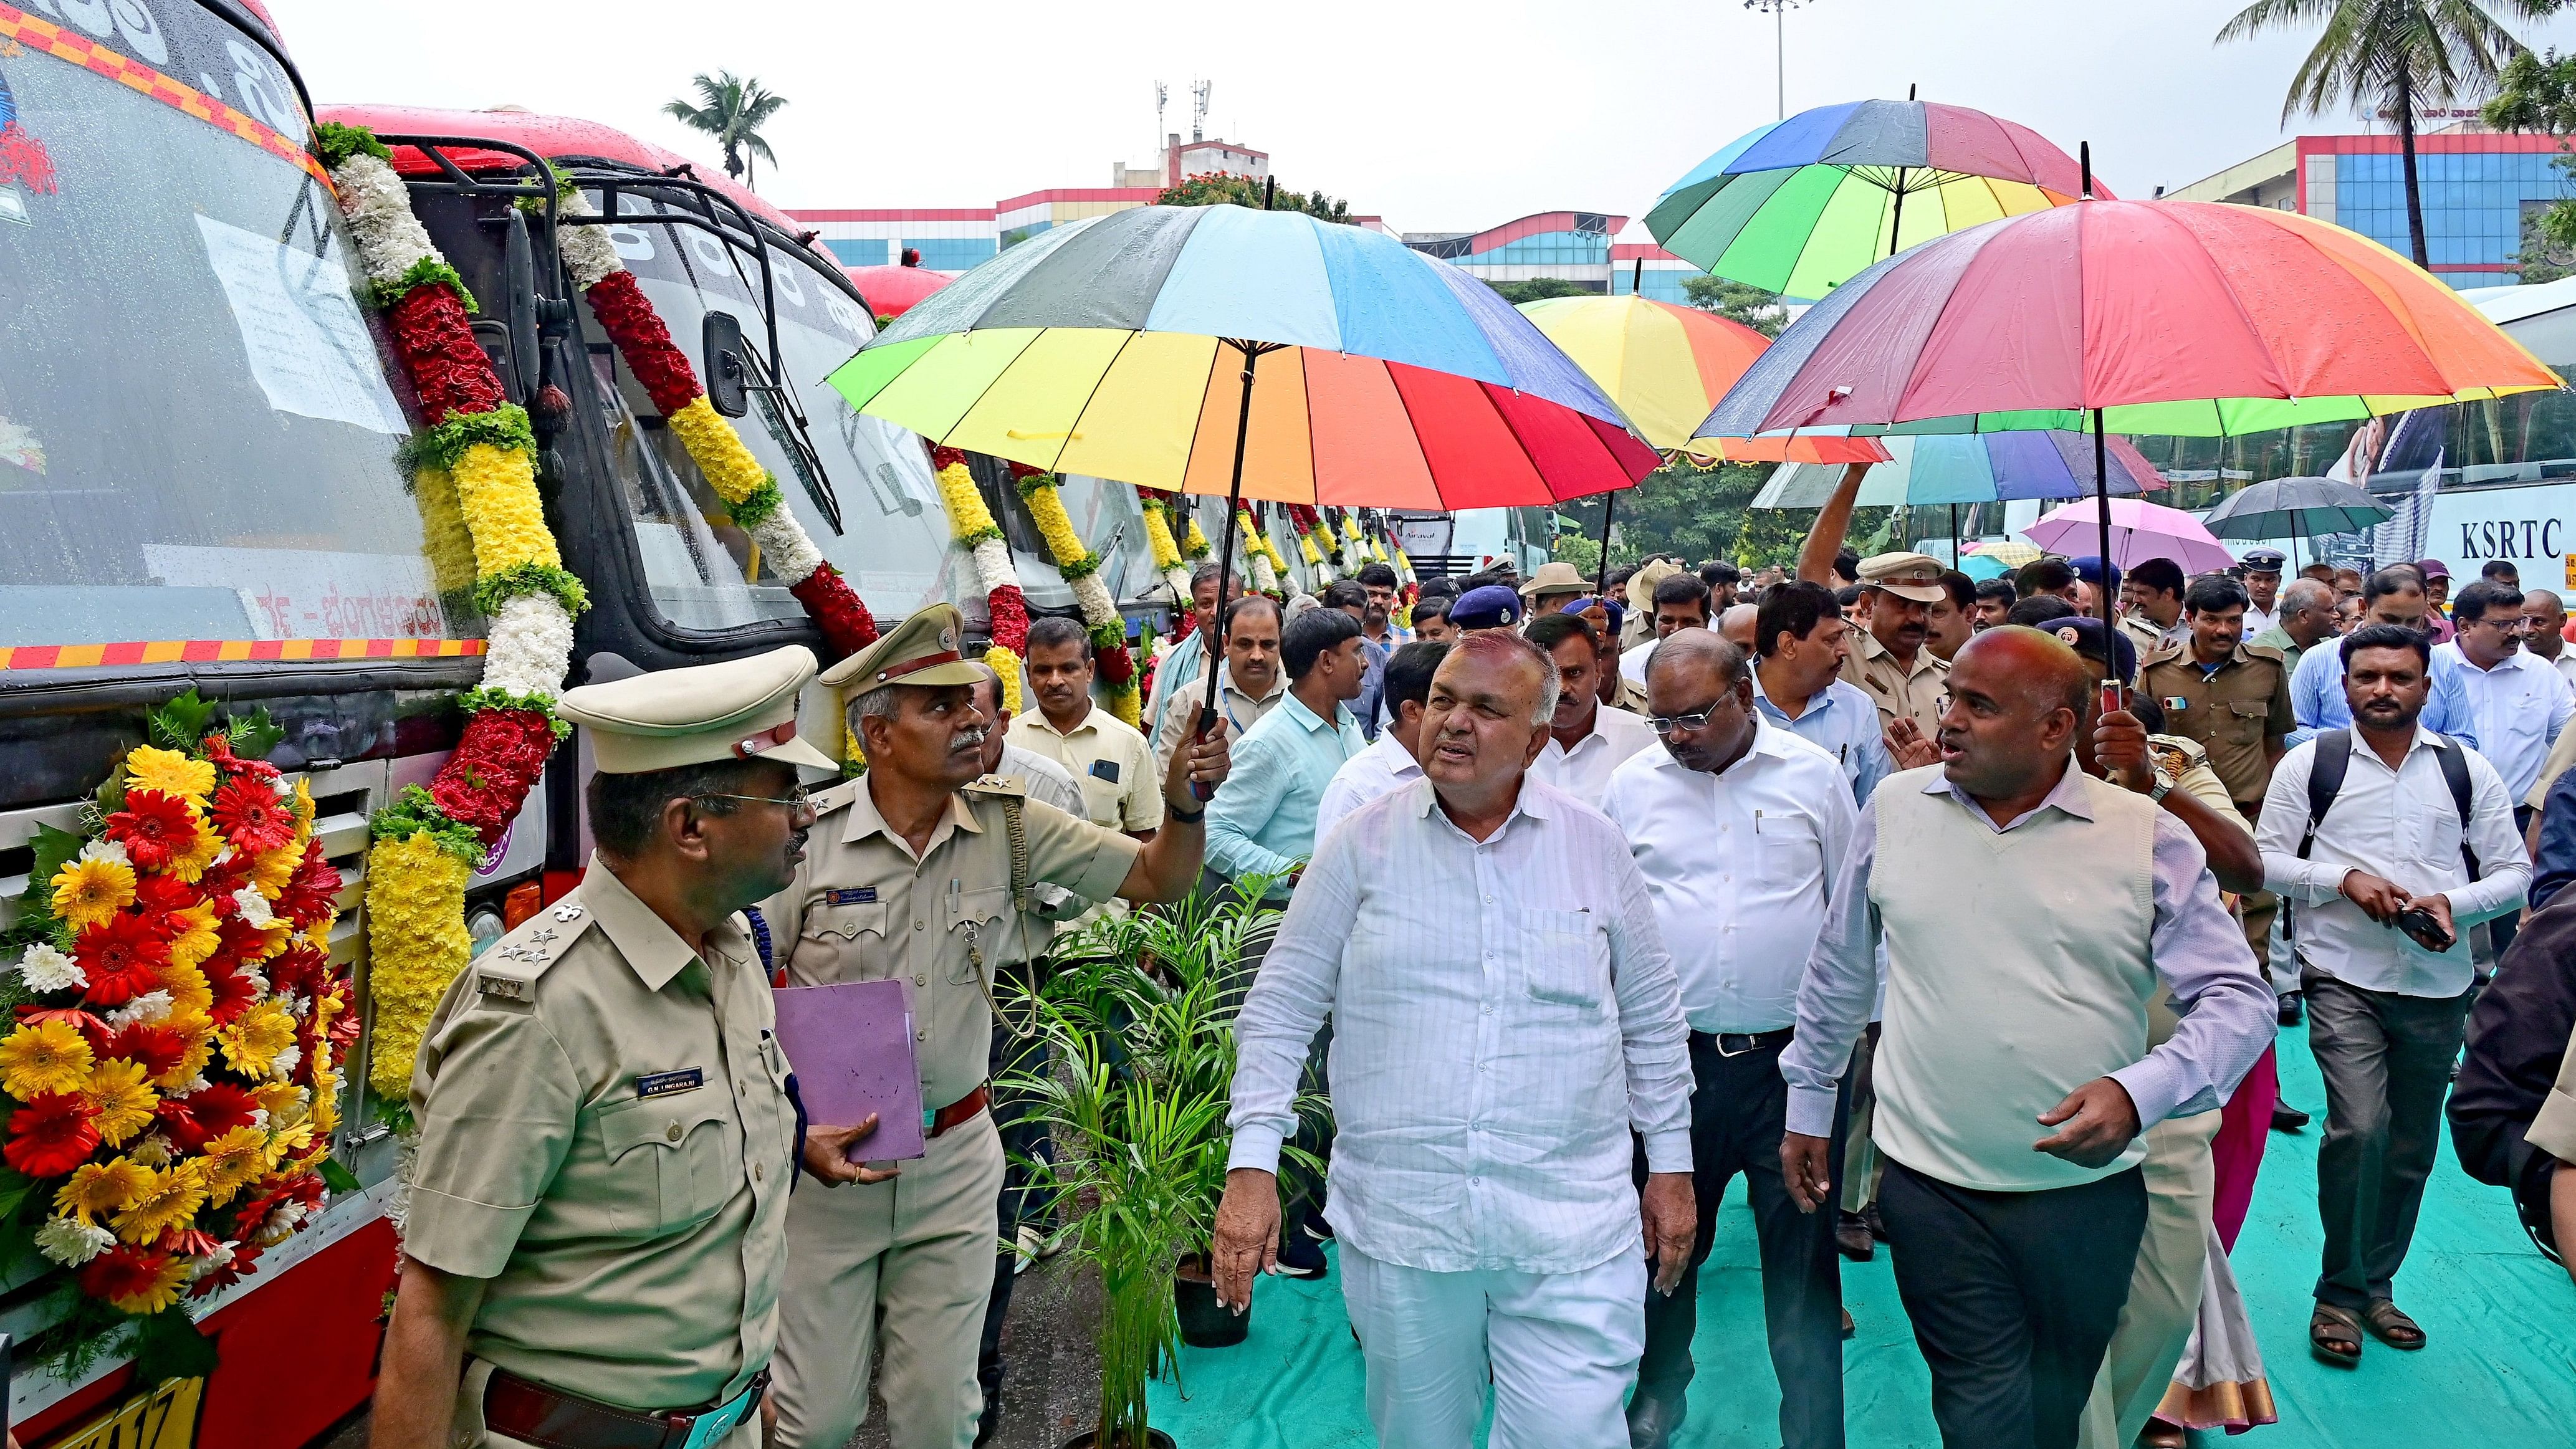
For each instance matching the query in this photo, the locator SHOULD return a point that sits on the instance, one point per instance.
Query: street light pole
(1779, 10)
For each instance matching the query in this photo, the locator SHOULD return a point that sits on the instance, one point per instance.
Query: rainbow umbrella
(1971, 468)
(1665, 366)
(2010, 552)
(1802, 205)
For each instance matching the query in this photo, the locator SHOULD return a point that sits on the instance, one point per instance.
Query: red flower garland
(1010, 611)
(24, 158)
(627, 316)
(835, 607)
(439, 354)
(1117, 665)
(495, 765)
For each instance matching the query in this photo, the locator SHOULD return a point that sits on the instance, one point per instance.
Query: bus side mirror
(728, 377)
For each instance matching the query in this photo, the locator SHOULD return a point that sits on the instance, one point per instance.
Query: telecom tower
(1199, 108)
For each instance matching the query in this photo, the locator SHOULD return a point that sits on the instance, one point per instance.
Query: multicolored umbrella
(1665, 366)
(2167, 317)
(2010, 552)
(1119, 346)
(1801, 205)
(1971, 468)
(2139, 531)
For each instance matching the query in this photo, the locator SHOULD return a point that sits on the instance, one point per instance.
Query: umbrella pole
(1601, 579)
(1954, 535)
(1225, 553)
(2102, 510)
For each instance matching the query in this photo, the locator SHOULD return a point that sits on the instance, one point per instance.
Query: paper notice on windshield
(308, 346)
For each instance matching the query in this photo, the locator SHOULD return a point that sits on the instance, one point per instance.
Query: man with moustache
(1250, 682)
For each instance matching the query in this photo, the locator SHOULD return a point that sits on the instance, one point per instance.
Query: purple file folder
(851, 1048)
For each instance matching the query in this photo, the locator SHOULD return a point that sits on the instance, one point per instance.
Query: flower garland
(750, 492)
(174, 1063)
(971, 524)
(1081, 569)
(1265, 565)
(1303, 519)
(478, 456)
(1160, 508)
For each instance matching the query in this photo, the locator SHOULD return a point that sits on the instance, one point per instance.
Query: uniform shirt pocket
(673, 1162)
(1565, 956)
(987, 910)
(2241, 721)
(833, 935)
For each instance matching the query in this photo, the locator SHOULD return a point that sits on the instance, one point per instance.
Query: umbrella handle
(1225, 552)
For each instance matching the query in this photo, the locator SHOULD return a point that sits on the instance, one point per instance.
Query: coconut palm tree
(2396, 55)
(733, 110)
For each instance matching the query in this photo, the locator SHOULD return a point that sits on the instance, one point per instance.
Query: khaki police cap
(1906, 575)
(741, 709)
(1555, 577)
(924, 649)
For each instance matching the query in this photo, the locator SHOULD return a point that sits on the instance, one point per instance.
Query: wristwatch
(1180, 817)
(2163, 787)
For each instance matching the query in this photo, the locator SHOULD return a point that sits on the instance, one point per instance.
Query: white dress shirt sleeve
(2283, 824)
(1839, 989)
(1290, 996)
(2504, 870)
(1651, 1028)
(2228, 1014)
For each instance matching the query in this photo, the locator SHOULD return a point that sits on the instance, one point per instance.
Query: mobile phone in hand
(2425, 928)
(2112, 702)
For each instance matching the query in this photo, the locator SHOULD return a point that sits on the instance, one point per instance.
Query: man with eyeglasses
(914, 879)
(2520, 703)
(603, 1106)
(1737, 826)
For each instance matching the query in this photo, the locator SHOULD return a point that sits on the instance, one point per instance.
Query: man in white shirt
(1391, 762)
(1679, 601)
(2262, 589)
(1504, 1017)
(2545, 615)
(2384, 900)
(1738, 826)
(1250, 681)
(1105, 754)
(2520, 703)
(1585, 742)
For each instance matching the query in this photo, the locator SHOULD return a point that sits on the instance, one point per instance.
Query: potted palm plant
(1138, 1017)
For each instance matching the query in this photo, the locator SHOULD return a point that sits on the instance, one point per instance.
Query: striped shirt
(1504, 1013)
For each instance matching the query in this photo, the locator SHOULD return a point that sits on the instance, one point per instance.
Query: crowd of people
(1950, 916)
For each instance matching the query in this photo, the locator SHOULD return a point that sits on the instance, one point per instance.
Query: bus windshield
(197, 430)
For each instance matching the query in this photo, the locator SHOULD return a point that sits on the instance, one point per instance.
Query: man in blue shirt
(1801, 640)
(1264, 823)
(2389, 596)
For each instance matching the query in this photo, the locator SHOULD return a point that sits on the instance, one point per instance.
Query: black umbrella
(2296, 508)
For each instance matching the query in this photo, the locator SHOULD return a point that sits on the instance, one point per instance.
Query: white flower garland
(530, 648)
(391, 241)
(993, 567)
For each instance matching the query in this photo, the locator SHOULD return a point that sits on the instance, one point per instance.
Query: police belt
(956, 1114)
(517, 1409)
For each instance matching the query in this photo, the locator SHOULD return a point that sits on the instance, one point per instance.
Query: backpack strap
(2455, 773)
(2325, 781)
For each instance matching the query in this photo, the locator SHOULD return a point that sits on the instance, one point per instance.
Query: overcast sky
(1438, 117)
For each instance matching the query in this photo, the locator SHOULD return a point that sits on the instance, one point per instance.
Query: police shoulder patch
(508, 971)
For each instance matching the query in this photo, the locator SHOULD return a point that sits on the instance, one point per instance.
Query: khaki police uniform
(1898, 691)
(2146, 636)
(2233, 714)
(1115, 767)
(918, 1248)
(606, 1140)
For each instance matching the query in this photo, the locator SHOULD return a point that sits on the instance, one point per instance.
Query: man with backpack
(2389, 841)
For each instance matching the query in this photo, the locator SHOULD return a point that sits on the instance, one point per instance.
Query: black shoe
(1315, 1225)
(1852, 1238)
(990, 1424)
(1300, 1256)
(1877, 1224)
(2286, 1118)
(2290, 1008)
(1652, 1420)
(1851, 1330)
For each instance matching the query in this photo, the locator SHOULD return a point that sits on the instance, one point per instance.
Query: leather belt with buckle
(1737, 1043)
(517, 1409)
(958, 1113)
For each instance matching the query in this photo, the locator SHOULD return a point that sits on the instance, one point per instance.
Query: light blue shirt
(1841, 721)
(2317, 698)
(1263, 820)
(1179, 667)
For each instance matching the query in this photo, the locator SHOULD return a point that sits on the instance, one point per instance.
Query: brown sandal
(2391, 1326)
(2334, 1335)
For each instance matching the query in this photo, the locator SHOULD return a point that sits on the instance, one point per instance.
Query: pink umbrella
(2139, 531)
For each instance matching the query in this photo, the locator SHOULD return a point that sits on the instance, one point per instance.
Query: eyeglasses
(1668, 723)
(797, 801)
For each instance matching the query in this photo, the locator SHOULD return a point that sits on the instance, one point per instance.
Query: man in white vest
(2029, 913)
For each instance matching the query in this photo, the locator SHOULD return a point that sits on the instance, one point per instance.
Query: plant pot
(1154, 1437)
(1205, 1323)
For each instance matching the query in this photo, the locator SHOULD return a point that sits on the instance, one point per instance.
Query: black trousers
(1023, 1139)
(2387, 1061)
(1739, 1111)
(2013, 1297)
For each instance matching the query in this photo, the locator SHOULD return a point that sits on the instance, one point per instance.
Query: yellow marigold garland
(413, 887)
(444, 536)
(718, 451)
(496, 491)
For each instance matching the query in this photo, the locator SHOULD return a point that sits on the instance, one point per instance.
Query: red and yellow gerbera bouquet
(171, 1065)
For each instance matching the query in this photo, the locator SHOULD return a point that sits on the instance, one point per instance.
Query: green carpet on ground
(2499, 1367)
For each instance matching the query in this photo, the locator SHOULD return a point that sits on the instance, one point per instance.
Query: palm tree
(733, 110)
(2396, 55)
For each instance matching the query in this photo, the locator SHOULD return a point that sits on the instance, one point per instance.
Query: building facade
(2479, 188)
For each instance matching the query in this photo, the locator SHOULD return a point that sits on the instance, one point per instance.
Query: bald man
(1736, 625)
(2029, 912)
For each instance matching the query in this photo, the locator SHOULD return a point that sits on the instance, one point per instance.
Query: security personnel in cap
(1902, 677)
(597, 1229)
(912, 877)
(2262, 588)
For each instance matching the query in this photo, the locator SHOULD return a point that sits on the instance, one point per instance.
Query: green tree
(1218, 188)
(1736, 302)
(732, 109)
(2392, 55)
(2539, 95)
(1700, 514)
(1538, 289)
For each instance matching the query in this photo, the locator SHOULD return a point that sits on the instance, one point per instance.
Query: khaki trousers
(2164, 1289)
(919, 1249)
(468, 1427)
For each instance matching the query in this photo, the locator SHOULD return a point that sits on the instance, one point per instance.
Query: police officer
(2262, 588)
(598, 1210)
(1892, 665)
(912, 877)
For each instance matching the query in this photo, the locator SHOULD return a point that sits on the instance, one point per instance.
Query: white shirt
(1584, 771)
(2520, 705)
(1632, 660)
(1740, 865)
(2402, 826)
(2258, 620)
(2565, 662)
(1362, 778)
(1503, 1016)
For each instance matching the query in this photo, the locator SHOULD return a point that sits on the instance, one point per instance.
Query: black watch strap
(1181, 817)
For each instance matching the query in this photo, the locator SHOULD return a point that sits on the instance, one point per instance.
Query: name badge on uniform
(1105, 770)
(664, 1084)
(852, 896)
(2176, 704)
